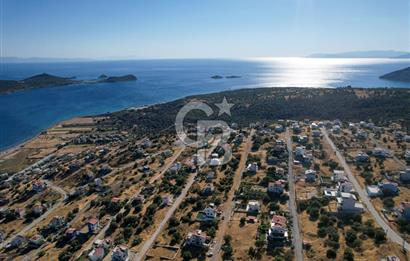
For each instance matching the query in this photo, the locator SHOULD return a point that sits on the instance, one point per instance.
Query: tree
(348, 255)
(330, 253)
(380, 236)
(242, 222)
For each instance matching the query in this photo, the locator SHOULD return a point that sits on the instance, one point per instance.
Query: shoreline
(13, 148)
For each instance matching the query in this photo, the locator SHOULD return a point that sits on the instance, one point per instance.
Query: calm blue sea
(24, 114)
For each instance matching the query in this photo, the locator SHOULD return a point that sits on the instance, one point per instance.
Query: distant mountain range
(10, 59)
(363, 54)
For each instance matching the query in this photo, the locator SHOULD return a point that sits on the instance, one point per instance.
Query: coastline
(14, 148)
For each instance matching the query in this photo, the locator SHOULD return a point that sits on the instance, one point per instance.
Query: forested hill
(381, 105)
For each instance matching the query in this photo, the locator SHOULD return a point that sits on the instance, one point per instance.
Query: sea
(24, 114)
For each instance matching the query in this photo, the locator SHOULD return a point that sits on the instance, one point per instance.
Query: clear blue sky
(200, 28)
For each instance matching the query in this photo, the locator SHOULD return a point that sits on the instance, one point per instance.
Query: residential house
(252, 168)
(405, 176)
(361, 157)
(104, 170)
(278, 232)
(210, 176)
(310, 175)
(279, 128)
(71, 233)
(215, 162)
(279, 142)
(314, 126)
(38, 186)
(389, 188)
(405, 210)
(361, 135)
(175, 167)
(38, 209)
(345, 187)
(208, 214)
(347, 204)
(36, 241)
(336, 129)
(93, 225)
(96, 254)
(296, 128)
(208, 190)
(197, 239)
(17, 242)
(316, 133)
(373, 191)
(253, 206)
(272, 160)
(407, 155)
(399, 135)
(380, 153)
(338, 175)
(120, 253)
(57, 222)
(167, 200)
(303, 139)
(277, 187)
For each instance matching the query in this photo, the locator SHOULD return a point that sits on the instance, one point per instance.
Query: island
(402, 75)
(218, 77)
(47, 80)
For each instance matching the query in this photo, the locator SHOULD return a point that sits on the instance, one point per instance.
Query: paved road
(229, 204)
(296, 238)
(391, 234)
(150, 241)
(42, 217)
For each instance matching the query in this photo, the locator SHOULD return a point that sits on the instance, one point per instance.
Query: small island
(402, 75)
(46, 80)
(218, 77)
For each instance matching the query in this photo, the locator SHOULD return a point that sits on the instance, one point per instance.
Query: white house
(373, 191)
(345, 187)
(338, 175)
(253, 206)
(214, 162)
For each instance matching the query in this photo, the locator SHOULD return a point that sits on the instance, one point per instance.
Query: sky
(200, 28)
